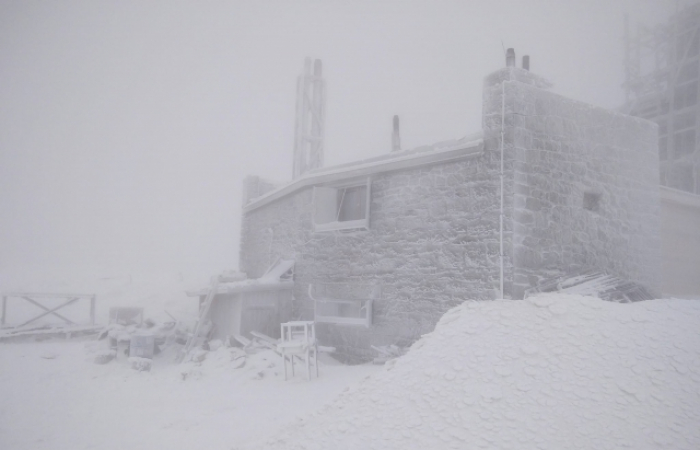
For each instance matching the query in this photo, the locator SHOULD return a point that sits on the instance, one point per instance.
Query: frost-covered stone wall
(432, 242)
(585, 189)
(580, 192)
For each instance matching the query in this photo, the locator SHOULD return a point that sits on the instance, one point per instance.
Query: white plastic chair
(299, 339)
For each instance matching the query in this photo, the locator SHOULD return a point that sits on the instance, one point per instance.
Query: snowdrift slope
(551, 372)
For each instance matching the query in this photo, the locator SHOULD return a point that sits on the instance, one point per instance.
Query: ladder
(203, 313)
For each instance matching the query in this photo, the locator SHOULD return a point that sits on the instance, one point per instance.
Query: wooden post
(92, 310)
(4, 308)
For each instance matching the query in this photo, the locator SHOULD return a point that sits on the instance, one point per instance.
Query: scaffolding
(662, 74)
(310, 119)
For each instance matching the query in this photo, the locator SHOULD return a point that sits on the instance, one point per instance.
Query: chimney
(526, 62)
(395, 137)
(510, 57)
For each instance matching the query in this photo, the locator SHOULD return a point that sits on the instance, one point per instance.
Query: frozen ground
(553, 372)
(51, 398)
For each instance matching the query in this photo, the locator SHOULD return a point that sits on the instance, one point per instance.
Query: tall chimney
(510, 57)
(526, 62)
(395, 137)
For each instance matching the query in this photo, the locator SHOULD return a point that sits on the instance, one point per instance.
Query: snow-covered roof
(427, 155)
(276, 278)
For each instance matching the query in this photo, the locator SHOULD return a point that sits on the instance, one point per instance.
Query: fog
(126, 128)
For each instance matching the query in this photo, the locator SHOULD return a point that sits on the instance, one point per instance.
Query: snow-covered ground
(52, 398)
(550, 372)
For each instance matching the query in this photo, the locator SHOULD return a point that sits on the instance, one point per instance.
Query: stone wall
(580, 192)
(585, 189)
(431, 244)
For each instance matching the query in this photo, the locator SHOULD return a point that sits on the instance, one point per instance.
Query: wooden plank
(47, 295)
(243, 340)
(264, 337)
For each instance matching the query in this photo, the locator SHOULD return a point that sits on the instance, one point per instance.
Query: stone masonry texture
(432, 242)
(433, 239)
(564, 151)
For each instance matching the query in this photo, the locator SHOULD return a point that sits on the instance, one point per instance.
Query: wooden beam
(49, 311)
(47, 295)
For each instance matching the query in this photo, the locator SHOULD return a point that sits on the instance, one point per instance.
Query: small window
(342, 207)
(342, 311)
(591, 201)
(348, 312)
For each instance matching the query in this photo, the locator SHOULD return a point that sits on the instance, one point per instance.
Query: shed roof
(276, 278)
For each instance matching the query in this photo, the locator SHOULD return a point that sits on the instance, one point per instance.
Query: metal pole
(503, 134)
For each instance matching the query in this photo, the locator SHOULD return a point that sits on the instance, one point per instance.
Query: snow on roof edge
(372, 165)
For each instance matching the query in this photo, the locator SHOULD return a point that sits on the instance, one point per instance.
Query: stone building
(384, 246)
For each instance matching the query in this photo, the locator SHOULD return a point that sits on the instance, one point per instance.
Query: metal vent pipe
(510, 57)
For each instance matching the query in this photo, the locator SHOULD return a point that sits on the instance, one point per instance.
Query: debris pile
(253, 361)
(137, 339)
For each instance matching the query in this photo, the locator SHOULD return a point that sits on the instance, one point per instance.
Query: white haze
(127, 127)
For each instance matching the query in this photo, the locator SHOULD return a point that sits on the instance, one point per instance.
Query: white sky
(126, 127)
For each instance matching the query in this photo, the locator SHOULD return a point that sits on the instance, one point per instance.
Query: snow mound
(552, 372)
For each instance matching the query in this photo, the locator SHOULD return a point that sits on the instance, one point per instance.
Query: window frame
(364, 306)
(338, 225)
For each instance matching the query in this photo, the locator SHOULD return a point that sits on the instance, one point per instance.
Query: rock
(140, 364)
(104, 356)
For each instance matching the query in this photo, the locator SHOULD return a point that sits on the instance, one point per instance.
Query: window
(345, 311)
(342, 207)
(348, 312)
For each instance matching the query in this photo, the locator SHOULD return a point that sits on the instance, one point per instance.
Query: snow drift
(552, 372)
